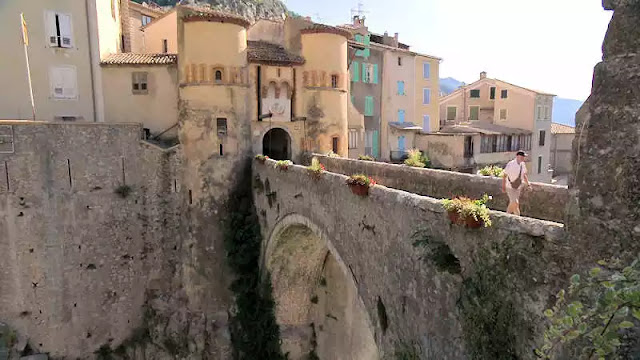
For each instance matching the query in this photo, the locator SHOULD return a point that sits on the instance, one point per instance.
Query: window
(503, 114)
(399, 61)
(139, 83)
(334, 144)
(368, 106)
(451, 113)
(165, 46)
(539, 112)
(370, 73)
(492, 93)
(426, 123)
(218, 76)
(353, 139)
(334, 81)
(426, 96)
(278, 72)
(146, 19)
(426, 70)
(400, 87)
(474, 112)
(63, 82)
(475, 94)
(59, 29)
(400, 116)
(364, 40)
(547, 113)
(541, 138)
(539, 164)
(503, 94)
(221, 124)
(113, 9)
(504, 143)
(355, 71)
(468, 146)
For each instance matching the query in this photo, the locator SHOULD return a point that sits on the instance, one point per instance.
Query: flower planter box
(469, 222)
(360, 190)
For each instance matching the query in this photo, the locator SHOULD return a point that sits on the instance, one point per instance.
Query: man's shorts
(513, 194)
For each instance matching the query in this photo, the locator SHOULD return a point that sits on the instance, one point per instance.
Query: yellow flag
(25, 34)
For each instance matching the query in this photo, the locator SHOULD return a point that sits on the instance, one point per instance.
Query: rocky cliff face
(251, 9)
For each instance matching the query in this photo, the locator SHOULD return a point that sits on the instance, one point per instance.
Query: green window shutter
(376, 147)
(375, 73)
(355, 71)
(368, 106)
(366, 53)
(367, 40)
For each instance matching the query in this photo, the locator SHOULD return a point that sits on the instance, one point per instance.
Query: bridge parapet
(389, 242)
(544, 201)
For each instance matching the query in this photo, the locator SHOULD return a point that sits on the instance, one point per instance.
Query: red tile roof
(562, 129)
(321, 28)
(203, 13)
(139, 59)
(271, 54)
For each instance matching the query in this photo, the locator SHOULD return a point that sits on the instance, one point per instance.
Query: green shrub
(316, 168)
(417, 159)
(491, 170)
(283, 165)
(466, 207)
(366, 158)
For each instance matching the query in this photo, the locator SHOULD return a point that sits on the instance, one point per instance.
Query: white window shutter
(50, 29)
(56, 82)
(66, 30)
(70, 83)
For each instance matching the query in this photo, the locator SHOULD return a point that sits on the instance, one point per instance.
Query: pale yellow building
(66, 40)
(497, 119)
(562, 137)
(292, 89)
(137, 16)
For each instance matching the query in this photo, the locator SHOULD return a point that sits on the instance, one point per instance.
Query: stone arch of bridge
(318, 307)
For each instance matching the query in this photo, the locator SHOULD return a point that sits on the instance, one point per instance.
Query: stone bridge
(366, 277)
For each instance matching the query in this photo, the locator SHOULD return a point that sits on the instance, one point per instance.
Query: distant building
(394, 88)
(137, 16)
(287, 79)
(561, 148)
(486, 122)
(66, 40)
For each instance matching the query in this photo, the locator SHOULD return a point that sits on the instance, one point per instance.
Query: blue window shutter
(426, 70)
(375, 73)
(401, 143)
(426, 96)
(355, 72)
(401, 116)
(426, 123)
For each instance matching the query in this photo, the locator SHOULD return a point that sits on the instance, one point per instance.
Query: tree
(595, 311)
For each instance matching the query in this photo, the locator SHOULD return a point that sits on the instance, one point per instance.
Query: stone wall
(78, 259)
(382, 243)
(543, 201)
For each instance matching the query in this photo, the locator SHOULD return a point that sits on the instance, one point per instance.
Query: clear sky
(547, 45)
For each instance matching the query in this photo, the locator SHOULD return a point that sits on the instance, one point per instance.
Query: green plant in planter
(316, 168)
(360, 184)
(366, 158)
(417, 159)
(491, 170)
(261, 158)
(332, 154)
(473, 213)
(595, 312)
(283, 165)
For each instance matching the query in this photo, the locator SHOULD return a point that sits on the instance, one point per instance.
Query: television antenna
(360, 11)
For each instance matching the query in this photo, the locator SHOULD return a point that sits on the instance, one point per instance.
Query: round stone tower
(325, 87)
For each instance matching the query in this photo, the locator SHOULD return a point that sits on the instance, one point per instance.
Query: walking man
(512, 181)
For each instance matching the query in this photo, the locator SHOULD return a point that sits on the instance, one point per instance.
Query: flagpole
(25, 41)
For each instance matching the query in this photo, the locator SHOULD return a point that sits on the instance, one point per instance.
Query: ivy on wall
(254, 331)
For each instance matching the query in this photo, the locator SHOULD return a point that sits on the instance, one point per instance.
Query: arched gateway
(276, 144)
(317, 303)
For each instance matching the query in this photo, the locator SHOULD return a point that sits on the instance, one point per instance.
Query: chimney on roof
(358, 21)
(386, 34)
(483, 75)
